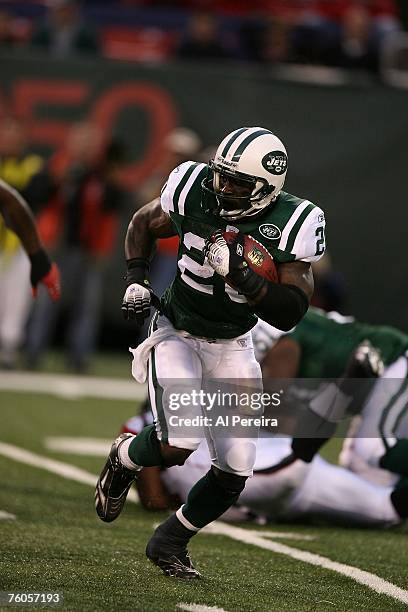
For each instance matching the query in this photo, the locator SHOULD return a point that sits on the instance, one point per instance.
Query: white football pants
(181, 364)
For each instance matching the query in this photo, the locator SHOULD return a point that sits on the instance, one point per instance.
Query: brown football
(256, 255)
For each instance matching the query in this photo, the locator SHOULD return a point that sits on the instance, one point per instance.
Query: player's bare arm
(282, 360)
(299, 274)
(152, 492)
(147, 225)
(20, 219)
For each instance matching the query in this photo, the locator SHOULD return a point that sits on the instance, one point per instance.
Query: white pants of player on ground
(317, 489)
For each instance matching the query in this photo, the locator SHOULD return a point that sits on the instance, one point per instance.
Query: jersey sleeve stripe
(297, 226)
(191, 179)
(290, 224)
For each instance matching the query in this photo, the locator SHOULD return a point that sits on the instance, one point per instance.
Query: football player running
(203, 331)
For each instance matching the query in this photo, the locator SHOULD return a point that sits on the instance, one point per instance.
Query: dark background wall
(347, 149)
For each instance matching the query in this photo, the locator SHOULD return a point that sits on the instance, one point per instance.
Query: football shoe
(114, 483)
(170, 554)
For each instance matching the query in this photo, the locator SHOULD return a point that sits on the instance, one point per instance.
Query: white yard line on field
(66, 470)
(286, 535)
(366, 578)
(199, 608)
(72, 387)
(92, 447)
(374, 582)
(7, 516)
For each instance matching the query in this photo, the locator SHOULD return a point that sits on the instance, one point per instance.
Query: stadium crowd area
(340, 33)
(77, 193)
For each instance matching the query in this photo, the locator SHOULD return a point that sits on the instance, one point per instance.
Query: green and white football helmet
(246, 175)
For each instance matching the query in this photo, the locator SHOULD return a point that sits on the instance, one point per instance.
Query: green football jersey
(327, 341)
(199, 301)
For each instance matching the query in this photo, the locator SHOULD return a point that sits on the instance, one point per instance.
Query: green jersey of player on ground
(328, 339)
(199, 301)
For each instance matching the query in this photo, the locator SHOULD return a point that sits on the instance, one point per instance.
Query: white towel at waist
(142, 352)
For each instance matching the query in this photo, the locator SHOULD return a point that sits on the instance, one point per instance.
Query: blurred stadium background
(329, 76)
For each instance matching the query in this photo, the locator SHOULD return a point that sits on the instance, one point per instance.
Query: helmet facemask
(234, 206)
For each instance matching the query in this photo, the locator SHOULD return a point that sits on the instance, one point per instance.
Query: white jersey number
(198, 276)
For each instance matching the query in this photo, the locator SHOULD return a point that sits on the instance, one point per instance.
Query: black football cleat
(171, 556)
(113, 484)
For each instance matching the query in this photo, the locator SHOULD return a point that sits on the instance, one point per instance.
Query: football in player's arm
(18, 217)
(203, 331)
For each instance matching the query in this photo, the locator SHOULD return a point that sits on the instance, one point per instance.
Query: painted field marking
(373, 581)
(73, 387)
(247, 536)
(66, 470)
(286, 535)
(7, 516)
(92, 447)
(199, 608)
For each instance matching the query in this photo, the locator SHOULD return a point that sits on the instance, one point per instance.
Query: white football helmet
(254, 157)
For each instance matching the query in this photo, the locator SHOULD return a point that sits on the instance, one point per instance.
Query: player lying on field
(282, 487)
(224, 280)
(321, 348)
(297, 480)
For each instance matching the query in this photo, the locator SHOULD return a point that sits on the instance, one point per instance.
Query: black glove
(306, 448)
(40, 267)
(137, 299)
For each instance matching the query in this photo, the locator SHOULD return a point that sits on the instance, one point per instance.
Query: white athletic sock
(185, 522)
(124, 455)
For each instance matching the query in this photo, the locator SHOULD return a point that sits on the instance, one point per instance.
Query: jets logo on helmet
(246, 175)
(275, 162)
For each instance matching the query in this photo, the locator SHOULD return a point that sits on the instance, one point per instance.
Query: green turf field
(57, 544)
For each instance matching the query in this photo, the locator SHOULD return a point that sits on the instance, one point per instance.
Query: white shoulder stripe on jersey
(187, 186)
(288, 227)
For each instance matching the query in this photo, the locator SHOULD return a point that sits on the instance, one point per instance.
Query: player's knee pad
(236, 458)
(174, 456)
(231, 483)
